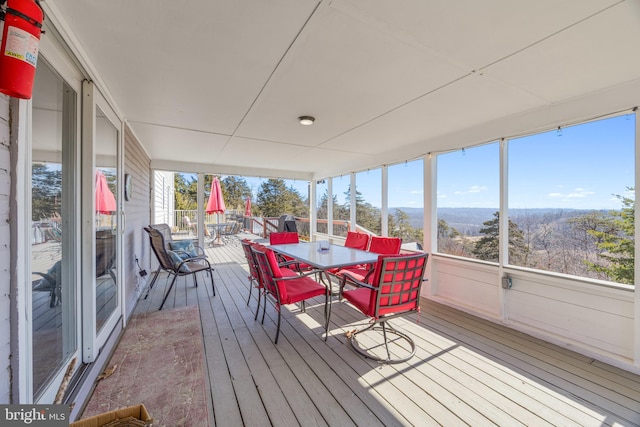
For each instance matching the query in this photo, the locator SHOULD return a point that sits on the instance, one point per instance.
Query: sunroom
(499, 137)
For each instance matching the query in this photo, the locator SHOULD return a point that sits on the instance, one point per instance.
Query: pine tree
(235, 191)
(617, 243)
(46, 192)
(275, 199)
(488, 247)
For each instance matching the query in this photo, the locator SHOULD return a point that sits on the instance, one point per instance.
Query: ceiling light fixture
(306, 120)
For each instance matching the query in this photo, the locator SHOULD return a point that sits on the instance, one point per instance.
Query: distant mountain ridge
(468, 221)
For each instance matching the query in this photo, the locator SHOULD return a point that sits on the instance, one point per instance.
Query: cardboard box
(137, 412)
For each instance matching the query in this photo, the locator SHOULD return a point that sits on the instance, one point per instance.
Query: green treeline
(596, 245)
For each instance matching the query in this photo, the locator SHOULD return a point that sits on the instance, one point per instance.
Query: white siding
(5, 256)
(595, 320)
(137, 210)
(163, 198)
(471, 286)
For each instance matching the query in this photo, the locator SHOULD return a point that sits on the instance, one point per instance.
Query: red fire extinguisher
(19, 48)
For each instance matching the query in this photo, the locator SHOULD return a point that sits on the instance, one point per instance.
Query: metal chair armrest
(353, 281)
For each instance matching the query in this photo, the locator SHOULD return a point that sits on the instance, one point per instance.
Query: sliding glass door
(101, 168)
(53, 261)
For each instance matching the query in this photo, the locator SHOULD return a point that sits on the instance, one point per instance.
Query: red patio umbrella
(216, 201)
(247, 207)
(105, 200)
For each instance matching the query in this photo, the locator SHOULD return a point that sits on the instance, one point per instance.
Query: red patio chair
(284, 237)
(357, 240)
(379, 245)
(254, 273)
(285, 286)
(392, 290)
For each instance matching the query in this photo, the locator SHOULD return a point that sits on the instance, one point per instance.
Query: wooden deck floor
(467, 371)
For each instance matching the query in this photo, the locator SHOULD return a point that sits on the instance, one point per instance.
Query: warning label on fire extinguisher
(22, 45)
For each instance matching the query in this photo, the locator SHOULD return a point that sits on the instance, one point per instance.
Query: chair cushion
(176, 260)
(184, 248)
(385, 245)
(365, 300)
(283, 237)
(273, 263)
(390, 284)
(361, 299)
(358, 273)
(299, 289)
(357, 240)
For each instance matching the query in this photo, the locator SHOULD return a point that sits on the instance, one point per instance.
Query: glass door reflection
(53, 188)
(106, 225)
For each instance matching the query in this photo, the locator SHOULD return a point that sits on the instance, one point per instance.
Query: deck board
(467, 371)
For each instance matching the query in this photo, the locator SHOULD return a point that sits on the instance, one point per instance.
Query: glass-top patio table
(335, 257)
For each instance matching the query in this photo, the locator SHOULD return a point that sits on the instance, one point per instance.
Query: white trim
(88, 259)
(173, 166)
(636, 280)
(23, 227)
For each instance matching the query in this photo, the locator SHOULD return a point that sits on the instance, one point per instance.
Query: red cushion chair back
(398, 279)
(385, 245)
(357, 240)
(253, 268)
(283, 237)
(270, 270)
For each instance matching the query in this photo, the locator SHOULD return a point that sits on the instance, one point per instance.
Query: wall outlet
(506, 282)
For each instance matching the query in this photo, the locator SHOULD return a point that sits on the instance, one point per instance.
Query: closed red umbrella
(105, 200)
(247, 207)
(216, 201)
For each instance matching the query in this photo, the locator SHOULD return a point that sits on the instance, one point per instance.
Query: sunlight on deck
(467, 371)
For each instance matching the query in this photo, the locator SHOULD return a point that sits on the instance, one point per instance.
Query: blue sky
(580, 167)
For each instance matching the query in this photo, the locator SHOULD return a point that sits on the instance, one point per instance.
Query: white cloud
(578, 193)
(477, 188)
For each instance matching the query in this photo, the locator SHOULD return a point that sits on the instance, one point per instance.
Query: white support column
(313, 208)
(503, 250)
(330, 206)
(384, 212)
(636, 280)
(352, 202)
(430, 218)
(200, 210)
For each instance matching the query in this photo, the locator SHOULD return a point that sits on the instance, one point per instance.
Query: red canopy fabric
(216, 201)
(105, 200)
(247, 207)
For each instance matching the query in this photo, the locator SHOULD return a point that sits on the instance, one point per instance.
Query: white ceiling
(220, 83)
